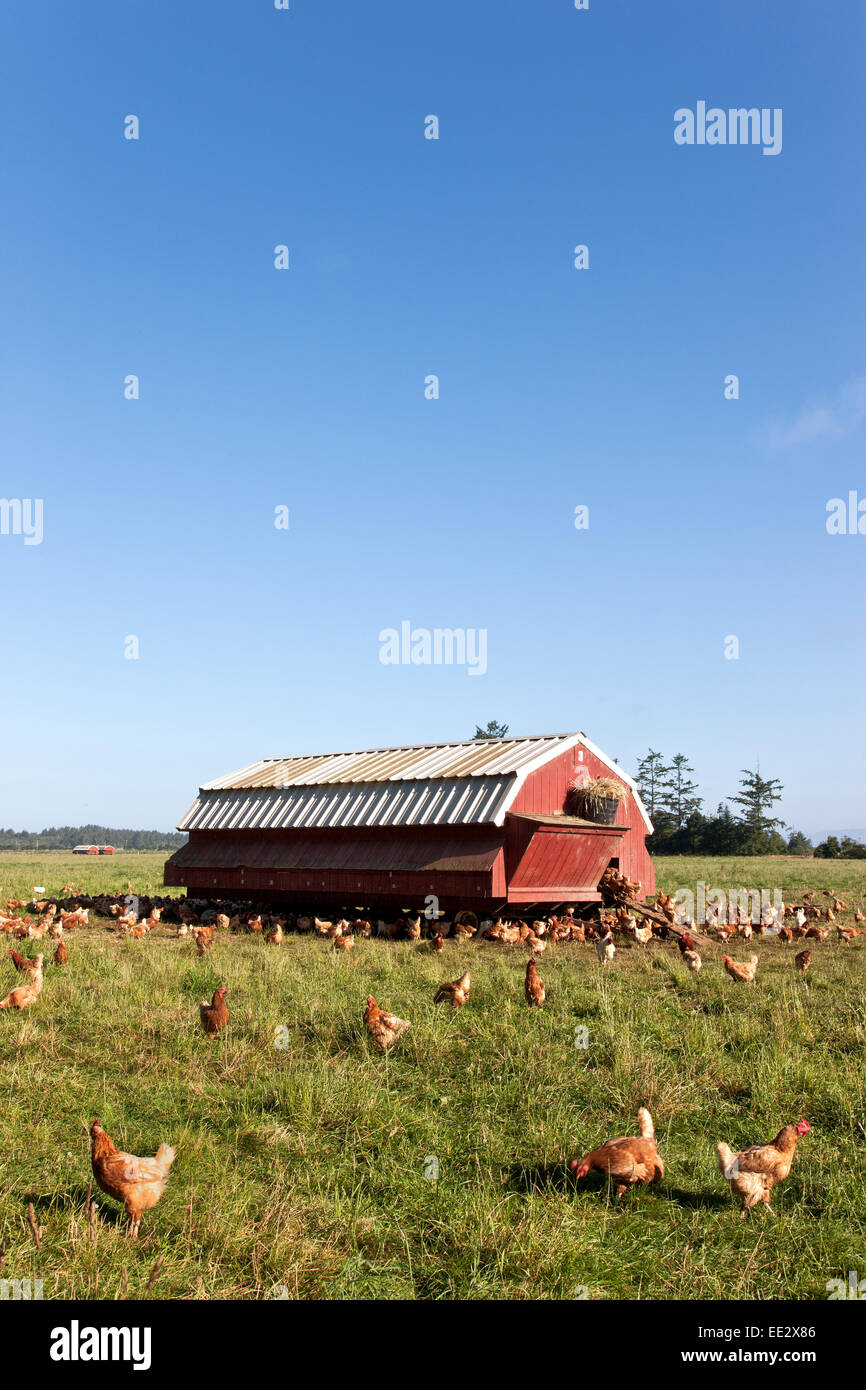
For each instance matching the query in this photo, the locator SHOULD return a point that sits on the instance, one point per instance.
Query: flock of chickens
(752, 1173)
(138, 1183)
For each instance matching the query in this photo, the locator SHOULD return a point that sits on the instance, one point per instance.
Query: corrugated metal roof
(466, 801)
(417, 762)
(465, 783)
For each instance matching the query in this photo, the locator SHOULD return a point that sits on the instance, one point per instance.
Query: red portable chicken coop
(477, 824)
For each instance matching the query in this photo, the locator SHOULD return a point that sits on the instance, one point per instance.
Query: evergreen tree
(493, 730)
(757, 797)
(828, 849)
(799, 845)
(652, 775)
(678, 792)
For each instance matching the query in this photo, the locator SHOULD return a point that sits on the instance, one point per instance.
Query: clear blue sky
(305, 388)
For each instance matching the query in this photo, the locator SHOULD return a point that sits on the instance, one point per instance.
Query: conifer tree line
(670, 795)
(68, 836)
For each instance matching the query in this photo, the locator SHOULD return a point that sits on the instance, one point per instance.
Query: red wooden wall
(543, 794)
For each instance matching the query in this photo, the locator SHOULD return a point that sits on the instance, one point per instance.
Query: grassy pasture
(309, 1169)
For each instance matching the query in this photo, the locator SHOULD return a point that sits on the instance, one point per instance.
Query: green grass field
(306, 1171)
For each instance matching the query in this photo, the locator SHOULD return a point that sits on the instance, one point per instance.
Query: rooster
(136, 1182)
(742, 971)
(754, 1172)
(454, 992)
(383, 1028)
(625, 1161)
(534, 985)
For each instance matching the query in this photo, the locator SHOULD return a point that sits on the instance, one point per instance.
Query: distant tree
(757, 797)
(678, 791)
(728, 836)
(828, 849)
(652, 776)
(798, 844)
(493, 730)
(831, 848)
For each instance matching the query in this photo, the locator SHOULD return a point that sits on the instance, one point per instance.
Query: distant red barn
(481, 822)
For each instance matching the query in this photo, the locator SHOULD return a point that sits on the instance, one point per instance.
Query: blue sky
(305, 387)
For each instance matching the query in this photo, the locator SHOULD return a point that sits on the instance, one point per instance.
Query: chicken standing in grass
(26, 965)
(25, 995)
(604, 948)
(136, 1182)
(754, 1172)
(214, 1015)
(453, 992)
(847, 934)
(625, 1161)
(802, 960)
(436, 944)
(693, 961)
(61, 955)
(203, 937)
(742, 971)
(534, 985)
(384, 1028)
